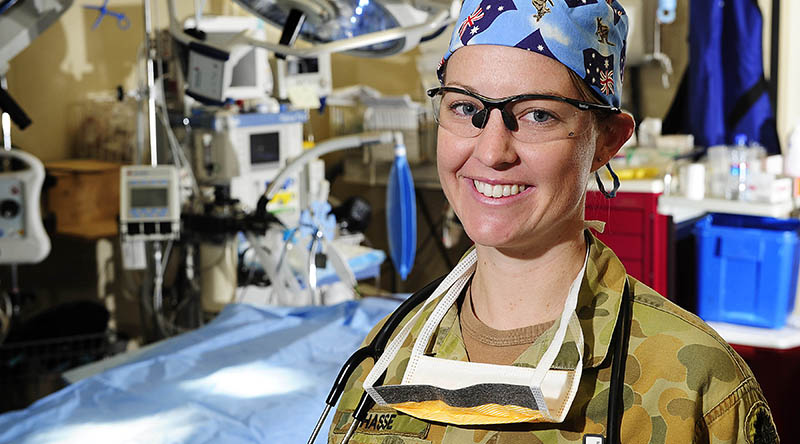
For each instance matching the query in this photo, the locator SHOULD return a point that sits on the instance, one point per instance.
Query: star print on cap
(587, 36)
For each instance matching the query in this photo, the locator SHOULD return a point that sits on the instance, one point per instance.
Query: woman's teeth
(490, 190)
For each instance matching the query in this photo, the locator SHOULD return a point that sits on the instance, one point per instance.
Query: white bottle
(755, 177)
(718, 170)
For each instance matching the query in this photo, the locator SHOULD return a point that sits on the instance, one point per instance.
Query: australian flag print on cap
(599, 71)
(535, 42)
(618, 12)
(587, 36)
(482, 18)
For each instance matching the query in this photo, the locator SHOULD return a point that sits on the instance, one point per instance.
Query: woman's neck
(512, 291)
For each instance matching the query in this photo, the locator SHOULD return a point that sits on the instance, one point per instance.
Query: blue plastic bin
(746, 269)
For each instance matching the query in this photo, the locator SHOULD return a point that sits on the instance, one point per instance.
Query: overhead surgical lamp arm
(9, 106)
(441, 18)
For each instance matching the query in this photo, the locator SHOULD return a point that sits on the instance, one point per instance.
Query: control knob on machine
(9, 209)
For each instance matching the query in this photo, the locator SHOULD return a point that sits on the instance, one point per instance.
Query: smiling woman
(552, 161)
(539, 325)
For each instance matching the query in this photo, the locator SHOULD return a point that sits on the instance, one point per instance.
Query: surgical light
(322, 22)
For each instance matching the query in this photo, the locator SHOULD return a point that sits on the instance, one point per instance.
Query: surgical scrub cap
(588, 36)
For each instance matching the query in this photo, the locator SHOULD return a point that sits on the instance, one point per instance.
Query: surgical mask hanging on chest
(467, 393)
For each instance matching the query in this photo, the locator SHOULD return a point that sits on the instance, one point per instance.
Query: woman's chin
(492, 236)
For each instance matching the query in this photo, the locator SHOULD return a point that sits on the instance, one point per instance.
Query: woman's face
(554, 173)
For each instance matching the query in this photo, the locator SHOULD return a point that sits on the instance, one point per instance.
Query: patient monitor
(228, 70)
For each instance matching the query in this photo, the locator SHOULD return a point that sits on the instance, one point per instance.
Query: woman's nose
(495, 144)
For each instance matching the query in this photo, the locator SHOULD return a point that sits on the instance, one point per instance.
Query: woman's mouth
(498, 190)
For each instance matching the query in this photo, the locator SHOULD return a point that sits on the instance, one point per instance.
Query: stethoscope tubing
(375, 348)
(619, 359)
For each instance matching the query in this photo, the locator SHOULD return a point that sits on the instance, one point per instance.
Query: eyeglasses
(529, 117)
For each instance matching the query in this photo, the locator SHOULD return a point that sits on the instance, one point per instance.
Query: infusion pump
(22, 235)
(149, 199)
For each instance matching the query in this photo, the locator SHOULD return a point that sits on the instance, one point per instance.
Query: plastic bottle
(756, 175)
(718, 170)
(737, 179)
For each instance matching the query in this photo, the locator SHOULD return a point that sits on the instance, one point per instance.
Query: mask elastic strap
(614, 177)
(453, 284)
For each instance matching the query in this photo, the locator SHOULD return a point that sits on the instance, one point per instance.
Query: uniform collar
(598, 306)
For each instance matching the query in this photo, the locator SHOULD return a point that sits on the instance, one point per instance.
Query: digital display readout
(304, 66)
(264, 148)
(148, 197)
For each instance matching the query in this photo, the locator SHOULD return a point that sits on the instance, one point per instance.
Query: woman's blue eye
(540, 116)
(466, 109)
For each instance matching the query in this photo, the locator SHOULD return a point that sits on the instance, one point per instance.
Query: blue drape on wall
(727, 92)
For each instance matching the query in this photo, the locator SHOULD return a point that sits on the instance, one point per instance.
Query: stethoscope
(373, 350)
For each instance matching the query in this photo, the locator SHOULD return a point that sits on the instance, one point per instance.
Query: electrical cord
(250, 274)
(165, 259)
(176, 148)
(165, 326)
(285, 249)
(6, 312)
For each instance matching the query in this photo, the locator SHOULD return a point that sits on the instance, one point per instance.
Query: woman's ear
(613, 132)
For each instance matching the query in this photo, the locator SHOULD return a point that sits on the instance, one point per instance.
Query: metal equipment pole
(6, 119)
(151, 100)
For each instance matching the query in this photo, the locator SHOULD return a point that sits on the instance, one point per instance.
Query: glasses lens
(545, 120)
(454, 112)
(538, 120)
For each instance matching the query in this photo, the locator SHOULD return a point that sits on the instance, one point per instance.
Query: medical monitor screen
(303, 66)
(148, 197)
(244, 72)
(264, 148)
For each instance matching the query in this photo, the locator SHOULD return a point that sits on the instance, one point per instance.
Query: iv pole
(8, 304)
(6, 125)
(151, 101)
(159, 257)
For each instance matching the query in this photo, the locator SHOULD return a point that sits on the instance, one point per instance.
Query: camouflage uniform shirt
(683, 383)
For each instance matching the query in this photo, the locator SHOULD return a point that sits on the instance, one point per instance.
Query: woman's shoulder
(671, 343)
(659, 315)
(681, 363)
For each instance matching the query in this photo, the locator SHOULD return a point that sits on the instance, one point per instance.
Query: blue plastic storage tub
(746, 269)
